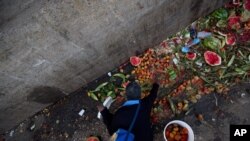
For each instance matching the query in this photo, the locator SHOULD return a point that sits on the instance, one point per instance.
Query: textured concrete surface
(49, 48)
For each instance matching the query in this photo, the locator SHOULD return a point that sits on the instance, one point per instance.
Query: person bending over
(123, 117)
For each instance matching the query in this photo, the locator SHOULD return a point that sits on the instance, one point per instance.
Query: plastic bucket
(183, 124)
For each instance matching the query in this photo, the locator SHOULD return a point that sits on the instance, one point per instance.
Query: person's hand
(156, 76)
(100, 107)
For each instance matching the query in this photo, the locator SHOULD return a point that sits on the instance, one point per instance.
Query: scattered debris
(243, 95)
(109, 74)
(66, 135)
(81, 112)
(216, 100)
(11, 133)
(32, 127)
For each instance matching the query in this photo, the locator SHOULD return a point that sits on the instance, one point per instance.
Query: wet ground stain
(45, 94)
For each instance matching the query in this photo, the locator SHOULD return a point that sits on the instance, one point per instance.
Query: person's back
(124, 115)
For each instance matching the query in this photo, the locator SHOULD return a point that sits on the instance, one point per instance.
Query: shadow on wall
(45, 94)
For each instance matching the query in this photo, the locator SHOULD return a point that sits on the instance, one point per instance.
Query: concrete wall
(51, 48)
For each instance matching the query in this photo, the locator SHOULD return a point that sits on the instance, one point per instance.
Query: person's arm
(153, 93)
(107, 119)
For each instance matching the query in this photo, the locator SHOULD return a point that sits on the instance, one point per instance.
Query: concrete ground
(61, 122)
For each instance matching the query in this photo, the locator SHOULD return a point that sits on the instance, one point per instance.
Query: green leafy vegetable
(172, 105)
(172, 74)
(122, 76)
(245, 16)
(111, 93)
(93, 96)
(231, 61)
(221, 23)
(101, 86)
